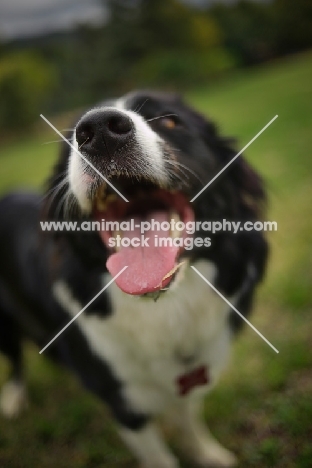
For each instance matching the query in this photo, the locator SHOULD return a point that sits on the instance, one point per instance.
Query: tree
(293, 20)
(25, 81)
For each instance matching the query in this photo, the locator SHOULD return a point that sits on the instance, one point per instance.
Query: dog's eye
(169, 121)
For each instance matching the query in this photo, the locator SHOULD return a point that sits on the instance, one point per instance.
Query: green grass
(262, 408)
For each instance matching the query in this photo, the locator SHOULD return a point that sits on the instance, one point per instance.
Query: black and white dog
(157, 339)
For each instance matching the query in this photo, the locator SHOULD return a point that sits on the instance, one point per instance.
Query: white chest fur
(149, 344)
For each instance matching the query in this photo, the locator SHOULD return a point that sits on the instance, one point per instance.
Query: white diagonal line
(235, 310)
(235, 157)
(83, 157)
(82, 310)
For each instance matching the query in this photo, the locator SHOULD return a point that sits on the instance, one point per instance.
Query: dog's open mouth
(154, 260)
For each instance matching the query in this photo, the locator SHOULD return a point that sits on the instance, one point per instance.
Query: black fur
(32, 260)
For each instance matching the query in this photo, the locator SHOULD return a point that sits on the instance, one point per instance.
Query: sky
(25, 18)
(22, 18)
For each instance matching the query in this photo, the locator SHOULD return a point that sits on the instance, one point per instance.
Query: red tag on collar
(195, 378)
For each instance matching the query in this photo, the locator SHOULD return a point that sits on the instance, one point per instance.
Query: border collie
(155, 341)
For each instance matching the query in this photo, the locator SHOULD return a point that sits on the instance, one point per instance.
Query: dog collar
(194, 378)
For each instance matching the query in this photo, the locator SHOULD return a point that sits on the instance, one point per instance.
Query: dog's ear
(172, 97)
(240, 175)
(144, 95)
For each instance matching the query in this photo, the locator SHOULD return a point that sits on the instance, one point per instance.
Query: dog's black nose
(103, 131)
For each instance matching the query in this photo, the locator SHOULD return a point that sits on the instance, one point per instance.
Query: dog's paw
(216, 456)
(161, 464)
(13, 399)
(208, 453)
(168, 461)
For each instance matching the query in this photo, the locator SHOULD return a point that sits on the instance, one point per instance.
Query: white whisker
(49, 142)
(179, 165)
(161, 117)
(55, 189)
(137, 110)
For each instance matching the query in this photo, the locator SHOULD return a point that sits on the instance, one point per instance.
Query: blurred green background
(240, 63)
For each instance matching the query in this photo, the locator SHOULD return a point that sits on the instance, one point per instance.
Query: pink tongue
(147, 265)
